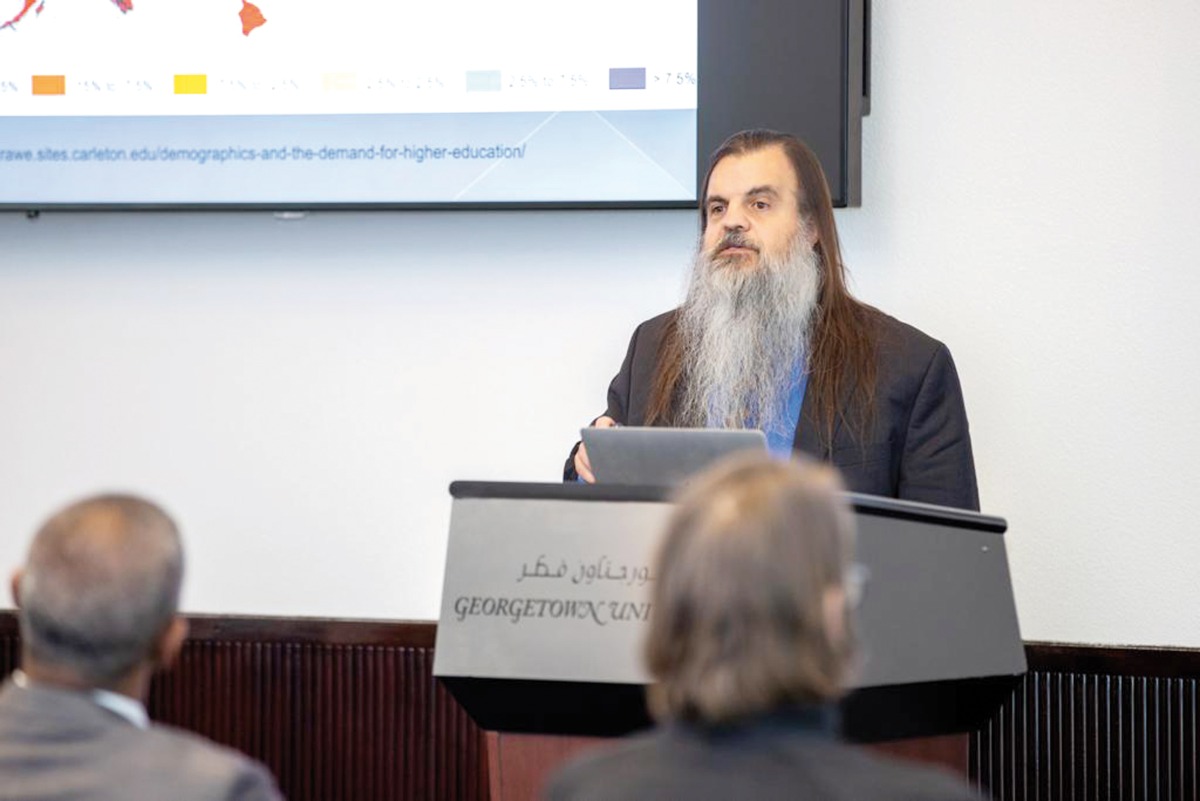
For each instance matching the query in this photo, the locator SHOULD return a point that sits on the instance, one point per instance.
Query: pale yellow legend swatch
(339, 82)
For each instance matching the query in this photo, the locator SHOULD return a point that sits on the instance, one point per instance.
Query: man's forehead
(737, 174)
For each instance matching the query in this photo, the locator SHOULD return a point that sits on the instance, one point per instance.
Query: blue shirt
(780, 441)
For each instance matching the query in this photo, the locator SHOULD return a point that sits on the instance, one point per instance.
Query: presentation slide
(228, 102)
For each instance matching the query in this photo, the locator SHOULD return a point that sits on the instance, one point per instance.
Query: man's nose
(735, 220)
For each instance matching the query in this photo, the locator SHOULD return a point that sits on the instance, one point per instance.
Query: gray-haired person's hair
(100, 585)
(738, 623)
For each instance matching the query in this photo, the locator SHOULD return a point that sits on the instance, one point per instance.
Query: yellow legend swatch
(49, 84)
(339, 81)
(191, 84)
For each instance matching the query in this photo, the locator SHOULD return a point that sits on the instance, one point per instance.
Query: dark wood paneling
(313, 630)
(339, 710)
(1094, 723)
(9, 642)
(346, 710)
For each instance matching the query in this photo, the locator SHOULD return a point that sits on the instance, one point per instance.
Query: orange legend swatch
(191, 84)
(49, 84)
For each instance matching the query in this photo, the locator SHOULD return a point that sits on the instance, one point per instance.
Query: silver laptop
(662, 456)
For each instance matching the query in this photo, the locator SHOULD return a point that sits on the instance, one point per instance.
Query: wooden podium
(544, 604)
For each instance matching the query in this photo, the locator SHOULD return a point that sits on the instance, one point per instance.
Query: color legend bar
(191, 84)
(339, 82)
(627, 78)
(483, 81)
(49, 84)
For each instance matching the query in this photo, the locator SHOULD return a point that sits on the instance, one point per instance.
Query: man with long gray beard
(770, 337)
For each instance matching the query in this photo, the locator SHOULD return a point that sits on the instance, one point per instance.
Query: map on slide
(28, 4)
(220, 58)
(251, 16)
(202, 102)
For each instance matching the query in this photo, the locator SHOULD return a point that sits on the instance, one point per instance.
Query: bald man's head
(100, 586)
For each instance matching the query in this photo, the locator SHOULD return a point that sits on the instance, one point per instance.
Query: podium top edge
(872, 505)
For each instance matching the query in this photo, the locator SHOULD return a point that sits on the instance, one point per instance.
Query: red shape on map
(24, 10)
(251, 17)
(124, 5)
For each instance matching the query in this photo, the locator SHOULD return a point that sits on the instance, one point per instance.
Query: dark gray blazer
(790, 755)
(57, 745)
(919, 448)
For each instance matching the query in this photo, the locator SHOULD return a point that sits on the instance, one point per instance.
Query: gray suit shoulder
(58, 745)
(200, 768)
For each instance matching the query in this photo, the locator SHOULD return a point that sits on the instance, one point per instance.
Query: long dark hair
(842, 365)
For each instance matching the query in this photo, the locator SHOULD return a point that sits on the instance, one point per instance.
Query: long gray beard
(743, 333)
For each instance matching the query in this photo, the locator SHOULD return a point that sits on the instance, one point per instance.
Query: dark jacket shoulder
(897, 340)
(662, 765)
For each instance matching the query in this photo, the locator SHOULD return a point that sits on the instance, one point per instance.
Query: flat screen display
(310, 104)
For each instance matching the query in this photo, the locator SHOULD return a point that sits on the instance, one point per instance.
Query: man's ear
(171, 642)
(834, 610)
(812, 235)
(15, 586)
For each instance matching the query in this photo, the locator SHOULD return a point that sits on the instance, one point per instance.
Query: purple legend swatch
(627, 78)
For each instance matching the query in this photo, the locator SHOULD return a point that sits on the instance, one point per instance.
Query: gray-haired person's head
(748, 610)
(100, 586)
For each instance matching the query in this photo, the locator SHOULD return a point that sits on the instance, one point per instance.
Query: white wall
(300, 393)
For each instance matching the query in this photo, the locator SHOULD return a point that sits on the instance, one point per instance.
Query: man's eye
(761, 205)
(716, 209)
